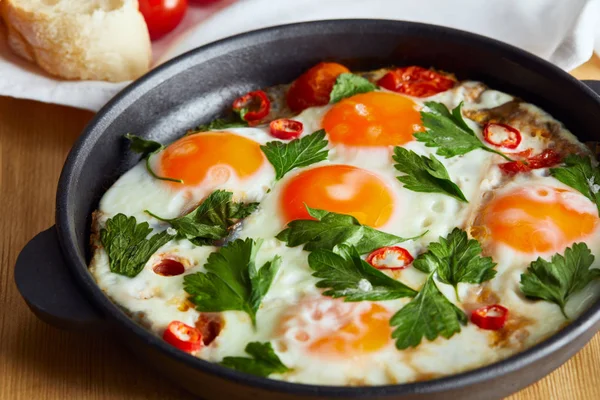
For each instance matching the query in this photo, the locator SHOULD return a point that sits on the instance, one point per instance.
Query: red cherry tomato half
(286, 129)
(162, 16)
(416, 81)
(168, 267)
(184, 337)
(490, 317)
(313, 87)
(252, 106)
(545, 159)
(391, 257)
(502, 135)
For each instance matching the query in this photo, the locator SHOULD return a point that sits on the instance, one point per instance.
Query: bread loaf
(80, 39)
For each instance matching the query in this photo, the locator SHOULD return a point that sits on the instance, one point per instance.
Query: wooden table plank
(40, 362)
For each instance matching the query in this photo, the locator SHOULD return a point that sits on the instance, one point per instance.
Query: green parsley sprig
(147, 148)
(578, 173)
(347, 85)
(263, 361)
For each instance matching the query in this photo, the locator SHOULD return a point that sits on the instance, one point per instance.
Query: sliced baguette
(80, 39)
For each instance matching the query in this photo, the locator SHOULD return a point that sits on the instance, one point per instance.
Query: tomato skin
(313, 87)
(286, 129)
(545, 159)
(252, 106)
(416, 81)
(490, 318)
(377, 256)
(173, 336)
(162, 16)
(511, 142)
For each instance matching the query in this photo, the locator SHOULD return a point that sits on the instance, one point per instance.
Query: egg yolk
(540, 219)
(342, 189)
(373, 119)
(215, 155)
(333, 328)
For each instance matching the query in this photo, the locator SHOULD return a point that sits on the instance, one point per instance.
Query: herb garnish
(430, 314)
(347, 85)
(211, 220)
(449, 132)
(263, 362)
(219, 123)
(346, 275)
(232, 282)
(424, 174)
(147, 148)
(332, 229)
(295, 154)
(126, 244)
(579, 174)
(556, 280)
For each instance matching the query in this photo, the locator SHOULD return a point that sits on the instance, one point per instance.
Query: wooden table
(40, 362)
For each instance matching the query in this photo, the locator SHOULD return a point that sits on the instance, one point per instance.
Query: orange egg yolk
(373, 119)
(540, 219)
(215, 155)
(338, 329)
(342, 189)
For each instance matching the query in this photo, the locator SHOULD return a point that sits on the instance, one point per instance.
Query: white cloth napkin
(563, 32)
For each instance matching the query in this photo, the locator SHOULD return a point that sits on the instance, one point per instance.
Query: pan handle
(594, 85)
(48, 288)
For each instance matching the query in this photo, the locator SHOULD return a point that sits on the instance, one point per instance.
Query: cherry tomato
(286, 129)
(168, 267)
(184, 337)
(252, 106)
(490, 318)
(313, 87)
(502, 135)
(392, 257)
(162, 16)
(545, 159)
(204, 2)
(416, 81)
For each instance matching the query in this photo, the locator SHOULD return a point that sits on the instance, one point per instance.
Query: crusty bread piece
(80, 39)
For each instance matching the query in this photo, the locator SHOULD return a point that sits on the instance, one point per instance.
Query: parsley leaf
(430, 314)
(424, 174)
(264, 361)
(295, 154)
(147, 148)
(211, 220)
(220, 123)
(331, 229)
(579, 174)
(556, 280)
(232, 282)
(449, 132)
(126, 244)
(347, 85)
(347, 275)
(456, 259)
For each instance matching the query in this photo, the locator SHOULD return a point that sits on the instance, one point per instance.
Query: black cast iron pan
(51, 271)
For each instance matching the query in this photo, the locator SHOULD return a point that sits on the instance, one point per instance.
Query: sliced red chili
(168, 267)
(184, 337)
(545, 159)
(502, 135)
(252, 106)
(209, 325)
(286, 129)
(490, 317)
(391, 257)
(416, 81)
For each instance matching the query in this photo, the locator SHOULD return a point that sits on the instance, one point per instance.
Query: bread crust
(109, 43)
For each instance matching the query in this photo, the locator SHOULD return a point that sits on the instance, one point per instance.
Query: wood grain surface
(40, 362)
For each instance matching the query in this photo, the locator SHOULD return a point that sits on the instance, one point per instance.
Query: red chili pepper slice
(391, 257)
(286, 129)
(168, 267)
(416, 81)
(252, 106)
(182, 336)
(490, 318)
(510, 138)
(545, 159)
